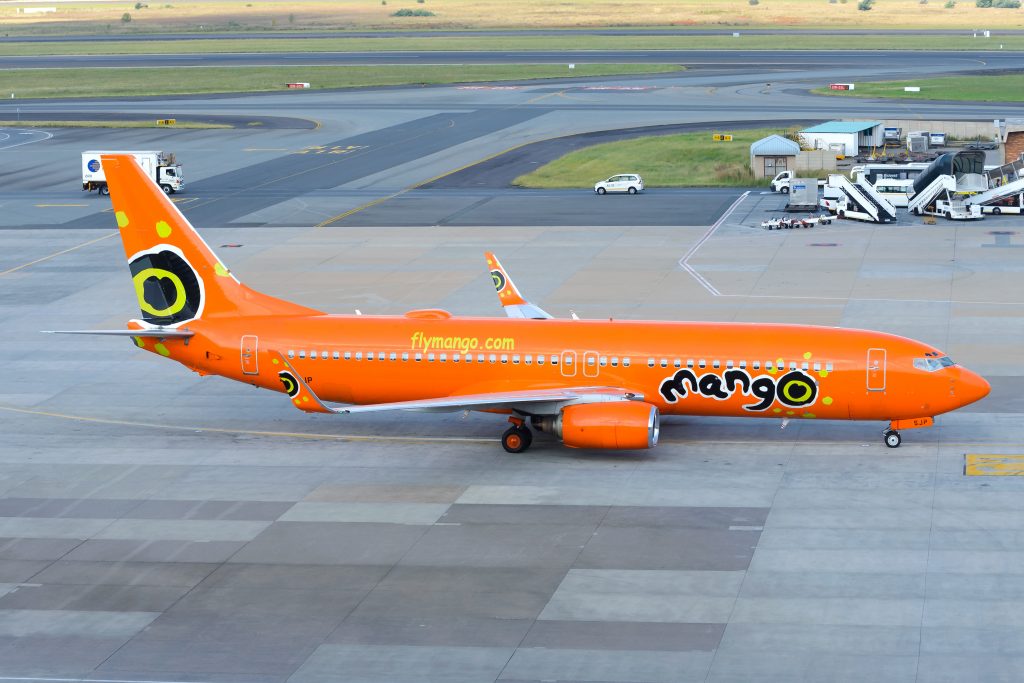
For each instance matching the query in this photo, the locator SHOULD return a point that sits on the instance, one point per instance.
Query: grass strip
(107, 124)
(86, 82)
(682, 160)
(518, 43)
(1003, 88)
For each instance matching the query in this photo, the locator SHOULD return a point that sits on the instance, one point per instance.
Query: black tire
(632, 190)
(601, 190)
(785, 189)
(996, 210)
(892, 438)
(166, 188)
(104, 190)
(841, 214)
(949, 215)
(516, 439)
(917, 211)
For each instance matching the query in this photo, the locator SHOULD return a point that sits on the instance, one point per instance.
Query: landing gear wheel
(516, 439)
(892, 438)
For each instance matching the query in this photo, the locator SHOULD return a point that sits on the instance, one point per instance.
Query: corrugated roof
(842, 127)
(774, 145)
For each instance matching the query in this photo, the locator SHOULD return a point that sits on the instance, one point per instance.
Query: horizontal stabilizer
(148, 332)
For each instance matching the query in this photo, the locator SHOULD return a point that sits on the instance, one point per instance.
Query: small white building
(772, 155)
(843, 137)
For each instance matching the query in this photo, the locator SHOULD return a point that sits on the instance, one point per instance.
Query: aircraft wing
(511, 300)
(539, 401)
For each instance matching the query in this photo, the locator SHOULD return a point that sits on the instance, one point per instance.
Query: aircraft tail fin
(176, 275)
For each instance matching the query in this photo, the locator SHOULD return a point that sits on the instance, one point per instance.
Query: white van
(626, 182)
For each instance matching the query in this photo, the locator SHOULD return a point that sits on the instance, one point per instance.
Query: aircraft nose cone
(972, 387)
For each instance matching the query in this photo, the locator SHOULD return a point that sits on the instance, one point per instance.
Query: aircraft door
(590, 366)
(250, 344)
(568, 363)
(876, 370)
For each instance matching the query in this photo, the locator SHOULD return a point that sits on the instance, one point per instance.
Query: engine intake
(625, 425)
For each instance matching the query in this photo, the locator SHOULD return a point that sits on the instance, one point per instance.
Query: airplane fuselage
(683, 368)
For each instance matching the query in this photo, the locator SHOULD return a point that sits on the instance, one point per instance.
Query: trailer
(788, 223)
(161, 167)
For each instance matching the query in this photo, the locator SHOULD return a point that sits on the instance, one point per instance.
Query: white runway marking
(684, 262)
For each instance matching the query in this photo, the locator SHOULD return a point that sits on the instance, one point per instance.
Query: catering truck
(161, 167)
(781, 182)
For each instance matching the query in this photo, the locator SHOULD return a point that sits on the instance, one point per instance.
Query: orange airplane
(599, 384)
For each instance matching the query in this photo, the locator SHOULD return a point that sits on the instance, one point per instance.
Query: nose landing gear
(518, 437)
(892, 438)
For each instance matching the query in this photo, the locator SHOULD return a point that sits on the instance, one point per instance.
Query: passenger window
(664, 362)
(504, 358)
(291, 353)
(769, 365)
(803, 366)
(689, 363)
(455, 358)
(393, 356)
(728, 365)
(817, 367)
(369, 355)
(625, 362)
(479, 358)
(716, 364)
(336, 355)
(348, 355)
(757, 365)
(418, 357)
(312, 355)
(590, 361)
(359, 355)
(443, 357)
(405, 356)
(743, 365)
(324, 355)
(302, 353)
(529, 359)
(540, 360)
(515, 360)
(650, 362)
(568, 360)
(792, 365)
(492, 358)
(603, 361)
(702, 363)
(430, 358)
(615, 362)
(828, 367)
(554, 360)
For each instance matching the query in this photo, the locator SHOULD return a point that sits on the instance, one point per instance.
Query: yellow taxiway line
(993, 465)
(55, 254)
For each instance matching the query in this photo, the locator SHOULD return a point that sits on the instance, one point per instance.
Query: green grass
(106, 124)
(86, 82)
(526, 43)
(684, 160)
(1006, 88)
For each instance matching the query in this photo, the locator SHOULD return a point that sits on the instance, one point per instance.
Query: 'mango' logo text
(795, 389)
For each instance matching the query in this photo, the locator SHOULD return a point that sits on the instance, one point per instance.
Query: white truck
(161, 167)
(782, 182)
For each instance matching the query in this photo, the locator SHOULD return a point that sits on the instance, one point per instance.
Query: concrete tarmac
(160, 526)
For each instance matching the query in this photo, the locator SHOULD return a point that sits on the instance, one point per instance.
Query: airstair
(862, 201)
(942, 185)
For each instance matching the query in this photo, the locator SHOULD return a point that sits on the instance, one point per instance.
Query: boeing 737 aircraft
(598, 384)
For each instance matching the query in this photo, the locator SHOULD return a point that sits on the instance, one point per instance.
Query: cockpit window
(933, 364)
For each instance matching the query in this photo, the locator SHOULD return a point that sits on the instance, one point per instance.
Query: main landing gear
(518, 437)
(892, 438)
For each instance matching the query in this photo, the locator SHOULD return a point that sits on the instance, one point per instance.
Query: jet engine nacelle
(626, 425)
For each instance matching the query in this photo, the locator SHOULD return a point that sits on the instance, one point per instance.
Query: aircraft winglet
(298, 391)
(511, 300)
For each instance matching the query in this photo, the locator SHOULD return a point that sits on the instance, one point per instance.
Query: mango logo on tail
(291, 385)
(498, 278)
(168, 288)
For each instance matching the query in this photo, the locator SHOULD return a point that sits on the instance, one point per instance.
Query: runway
(159, 526)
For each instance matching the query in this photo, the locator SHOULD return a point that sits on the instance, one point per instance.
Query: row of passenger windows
(554, 359)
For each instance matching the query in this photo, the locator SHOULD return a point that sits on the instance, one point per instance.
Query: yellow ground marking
(56, 254)
(991, 465)
(184, 200)
(251, 432)
(44, 206)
